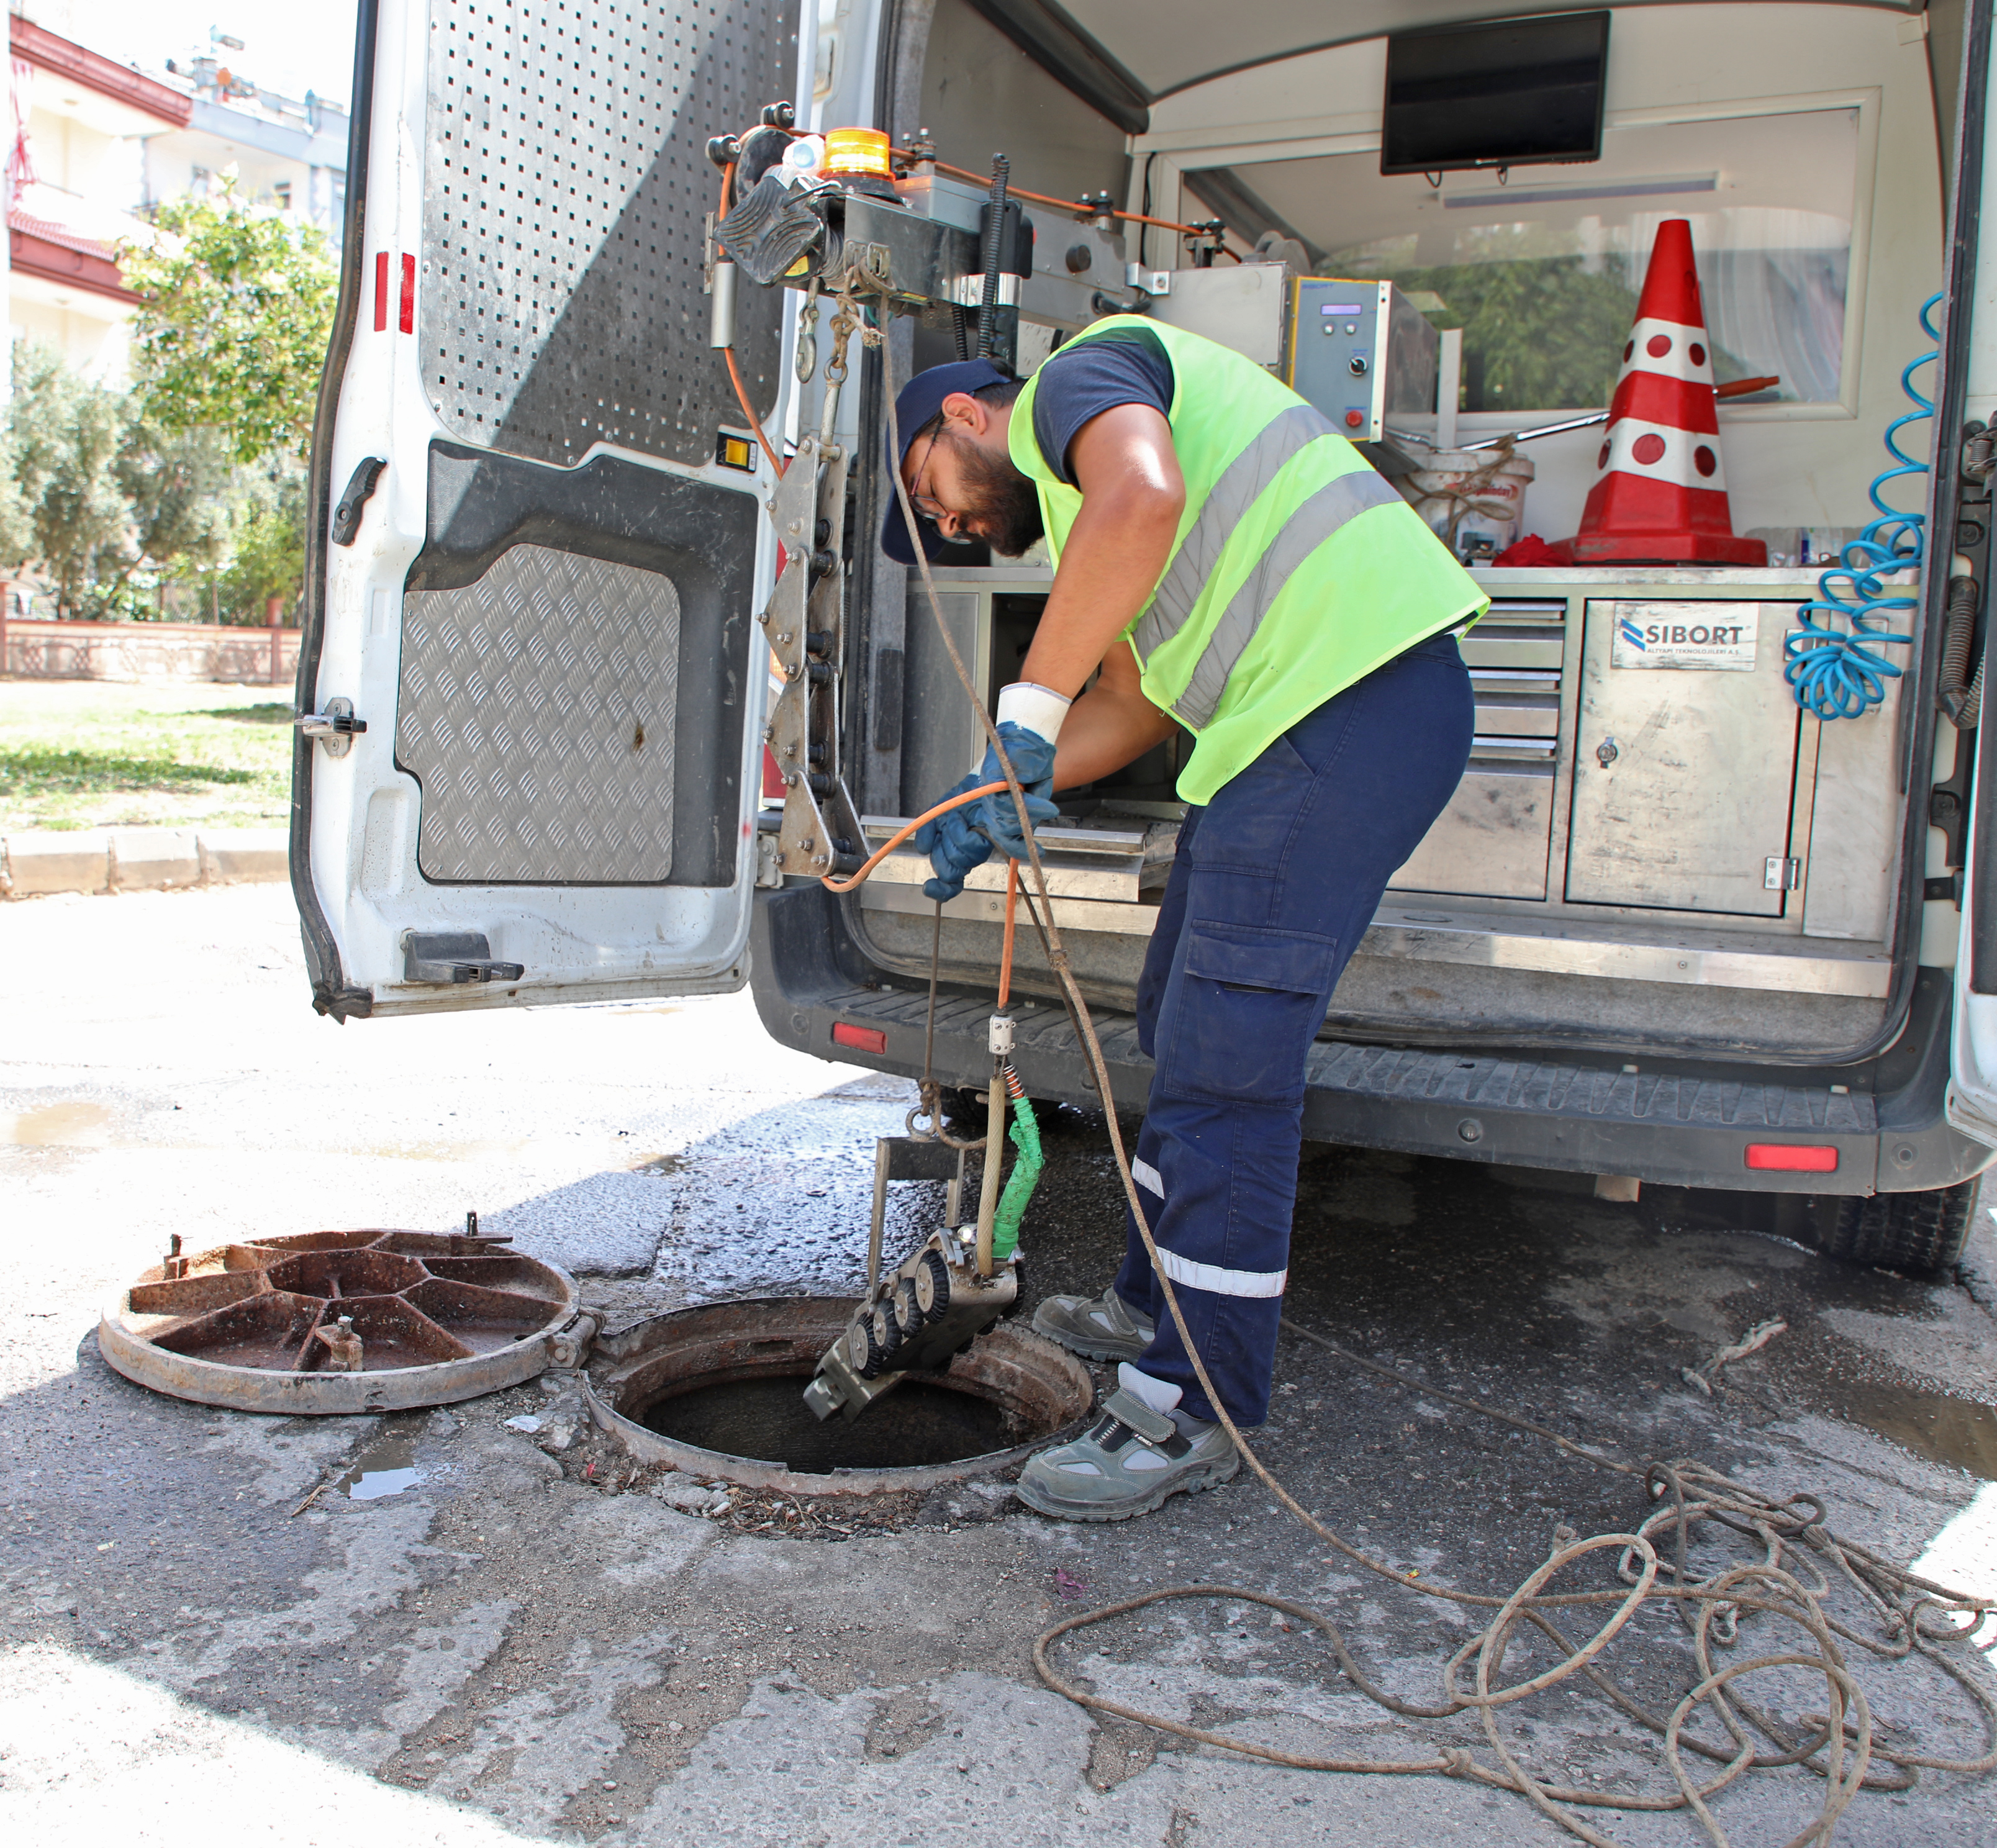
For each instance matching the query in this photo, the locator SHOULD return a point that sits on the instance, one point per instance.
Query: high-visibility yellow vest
(1297, 570)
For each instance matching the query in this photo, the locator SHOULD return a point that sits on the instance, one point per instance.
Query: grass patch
(268, 714)
(157, 753)
(27, 774)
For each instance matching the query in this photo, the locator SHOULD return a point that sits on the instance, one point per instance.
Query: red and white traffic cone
(1660, 494)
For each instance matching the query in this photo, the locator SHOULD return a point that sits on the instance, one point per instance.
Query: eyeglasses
(929, 511)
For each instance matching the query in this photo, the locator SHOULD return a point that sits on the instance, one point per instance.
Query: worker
(1226, 563)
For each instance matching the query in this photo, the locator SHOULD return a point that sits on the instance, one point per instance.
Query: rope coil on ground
(1838, 1745)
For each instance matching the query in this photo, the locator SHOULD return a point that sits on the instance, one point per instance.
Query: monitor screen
(1508, 93)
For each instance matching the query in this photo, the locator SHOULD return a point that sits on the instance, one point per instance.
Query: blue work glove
(963, 839)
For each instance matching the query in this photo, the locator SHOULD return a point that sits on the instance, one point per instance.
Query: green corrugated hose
(1025, 1134)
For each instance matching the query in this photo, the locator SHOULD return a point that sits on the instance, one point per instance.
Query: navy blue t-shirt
(1080, 381)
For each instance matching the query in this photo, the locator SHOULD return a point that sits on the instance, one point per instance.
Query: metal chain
(806, 362)
(850, 318)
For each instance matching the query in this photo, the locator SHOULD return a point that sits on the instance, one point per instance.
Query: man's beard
(1003, 506)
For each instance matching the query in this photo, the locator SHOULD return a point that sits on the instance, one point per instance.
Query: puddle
(60, 1125)
(917, 1424)
(386, 1467)
(1957, 1432)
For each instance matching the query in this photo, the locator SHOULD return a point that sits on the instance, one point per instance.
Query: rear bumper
(1684, 1124)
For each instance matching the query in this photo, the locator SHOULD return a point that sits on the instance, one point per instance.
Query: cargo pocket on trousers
(1249, 1004)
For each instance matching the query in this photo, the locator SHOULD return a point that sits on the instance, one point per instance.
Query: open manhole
(718, 1392)
(342, 1322)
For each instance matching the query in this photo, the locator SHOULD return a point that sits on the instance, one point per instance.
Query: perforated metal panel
(536, 711)
(566, 184)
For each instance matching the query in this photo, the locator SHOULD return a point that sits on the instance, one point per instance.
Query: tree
(63, 436)
(179, 485)
(269, 538)
(235, 310)
(106, 502)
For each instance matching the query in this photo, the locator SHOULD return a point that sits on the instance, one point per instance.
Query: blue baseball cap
(918, 402)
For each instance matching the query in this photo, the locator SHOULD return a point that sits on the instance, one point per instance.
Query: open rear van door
(531, 684)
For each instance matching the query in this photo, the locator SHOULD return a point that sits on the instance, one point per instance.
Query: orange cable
(748, 410)
(1011, 910)
(902, 833)
(728, 353)
(1042, 199)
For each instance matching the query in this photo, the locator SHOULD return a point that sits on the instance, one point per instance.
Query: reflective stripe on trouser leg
(1279, 878)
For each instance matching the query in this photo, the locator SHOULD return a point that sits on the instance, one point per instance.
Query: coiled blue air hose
(1832, 665)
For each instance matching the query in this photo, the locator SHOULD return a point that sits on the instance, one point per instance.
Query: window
(1543, 274)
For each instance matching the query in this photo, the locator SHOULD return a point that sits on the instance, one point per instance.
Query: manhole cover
(719, 1392)
(341, 1322)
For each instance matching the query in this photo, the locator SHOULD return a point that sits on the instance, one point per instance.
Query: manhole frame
(1010, 1346)
(138, 1358)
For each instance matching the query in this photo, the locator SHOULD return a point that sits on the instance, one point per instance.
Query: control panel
(1362, 354)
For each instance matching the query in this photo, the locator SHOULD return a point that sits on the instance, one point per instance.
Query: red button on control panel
(1354, 419)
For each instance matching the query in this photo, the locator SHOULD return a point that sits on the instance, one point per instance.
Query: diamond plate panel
(566, 184)
(537, 709)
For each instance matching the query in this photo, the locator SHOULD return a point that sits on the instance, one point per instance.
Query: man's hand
(963, 839)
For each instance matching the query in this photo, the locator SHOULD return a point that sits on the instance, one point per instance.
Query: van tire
(1919, 1234)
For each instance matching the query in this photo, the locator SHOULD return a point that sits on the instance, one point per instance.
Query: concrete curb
(140, 859)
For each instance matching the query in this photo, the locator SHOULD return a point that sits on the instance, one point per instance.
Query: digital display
(1508, 93)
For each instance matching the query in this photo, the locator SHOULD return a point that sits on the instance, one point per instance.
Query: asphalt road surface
(523, 1643)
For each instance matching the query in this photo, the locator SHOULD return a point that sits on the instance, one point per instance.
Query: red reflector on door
(1792, 1158)
(861, 1039)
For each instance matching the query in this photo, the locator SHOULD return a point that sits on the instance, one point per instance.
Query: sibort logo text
(1705, 637)
(1678, 634)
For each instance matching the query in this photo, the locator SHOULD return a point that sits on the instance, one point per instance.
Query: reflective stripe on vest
(1288, 433)
(1308, 528)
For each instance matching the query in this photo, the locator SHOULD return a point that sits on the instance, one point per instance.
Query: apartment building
(94, 143)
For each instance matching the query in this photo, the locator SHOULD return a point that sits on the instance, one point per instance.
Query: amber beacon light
(858, 151)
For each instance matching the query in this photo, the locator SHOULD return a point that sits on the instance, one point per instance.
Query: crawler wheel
(1921, 1234)
(863, 1352)
(933, 1288)
(887, 1333)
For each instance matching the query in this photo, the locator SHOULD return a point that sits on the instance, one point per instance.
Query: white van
(1674, 927)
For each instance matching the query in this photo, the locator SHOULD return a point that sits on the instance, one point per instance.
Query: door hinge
(1944, 888)
(454, 956)
(336, 728)
(1781, 874)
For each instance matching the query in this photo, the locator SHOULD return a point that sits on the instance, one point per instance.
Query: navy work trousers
(1275, 882)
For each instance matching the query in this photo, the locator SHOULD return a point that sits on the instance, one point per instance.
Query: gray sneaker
(1098, 1328)
(1127, 1463)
